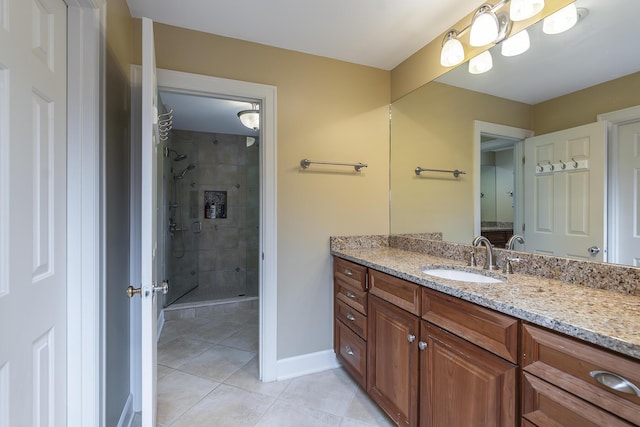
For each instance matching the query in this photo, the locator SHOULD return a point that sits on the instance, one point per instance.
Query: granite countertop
(608, 319)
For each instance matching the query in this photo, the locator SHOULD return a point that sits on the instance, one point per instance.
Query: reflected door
(627, 229)
(564, 192)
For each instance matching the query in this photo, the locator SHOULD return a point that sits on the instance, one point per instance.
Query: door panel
(148, 230)
(627, 227)
(565, 192)
(33, 229)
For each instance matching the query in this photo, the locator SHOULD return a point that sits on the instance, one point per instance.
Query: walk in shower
(211, 193)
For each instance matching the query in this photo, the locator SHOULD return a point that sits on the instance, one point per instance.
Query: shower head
(184, 171)
(177, 156)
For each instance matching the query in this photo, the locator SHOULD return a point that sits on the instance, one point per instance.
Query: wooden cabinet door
(392, 367)
(462, 384)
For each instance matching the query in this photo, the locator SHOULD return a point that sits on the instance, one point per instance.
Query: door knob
(131, 291)
(594, 250)
(163, 288)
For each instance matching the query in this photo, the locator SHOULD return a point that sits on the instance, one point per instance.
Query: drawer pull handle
(411, 338)
(422, 345)
(351, 317)
(351, 295)
(348, 350)
(615, 382)
(348, 272)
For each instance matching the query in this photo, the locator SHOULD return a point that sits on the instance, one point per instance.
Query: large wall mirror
(482, 124)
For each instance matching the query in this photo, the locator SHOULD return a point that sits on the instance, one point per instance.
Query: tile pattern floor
(208, 376)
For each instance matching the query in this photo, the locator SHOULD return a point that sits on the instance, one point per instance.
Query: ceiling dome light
(481, 63)
(561, 21)
(250, 118)
(452, 51)
(484, 27)
(525, 9)
(516, 44)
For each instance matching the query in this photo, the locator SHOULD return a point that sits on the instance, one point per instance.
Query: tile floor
(208, 376)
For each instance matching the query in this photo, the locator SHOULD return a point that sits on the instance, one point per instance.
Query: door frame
(615, 119)
(509, 132)
(85, 378)
(202, 85)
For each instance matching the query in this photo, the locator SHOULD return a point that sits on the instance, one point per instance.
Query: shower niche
(215, 204)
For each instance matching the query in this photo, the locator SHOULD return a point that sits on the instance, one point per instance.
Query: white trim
(127, 415)
(160, 324)
(306, 364)
(615, 120)
(266, 95)
(479, 128)
(84, 400)
(215, 86)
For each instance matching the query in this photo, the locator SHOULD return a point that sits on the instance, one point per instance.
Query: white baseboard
(160, 323)
(126, 418)
(306, 364)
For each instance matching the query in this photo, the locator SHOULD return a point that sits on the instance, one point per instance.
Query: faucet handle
(472, 259)
(508, 267)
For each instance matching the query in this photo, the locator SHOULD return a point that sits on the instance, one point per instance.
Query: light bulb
(484, 29)
(561, 21)
(481, 63)
(516, 44)
(452, 53)
(525, 9)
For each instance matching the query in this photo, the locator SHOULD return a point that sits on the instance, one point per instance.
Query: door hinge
(523, 227)
(263, 256)
(523, 160)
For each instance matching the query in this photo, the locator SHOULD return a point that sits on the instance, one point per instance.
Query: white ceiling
(377, 33)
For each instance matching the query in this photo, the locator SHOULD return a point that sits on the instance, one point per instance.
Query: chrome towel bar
(304, 163)
(455, 173)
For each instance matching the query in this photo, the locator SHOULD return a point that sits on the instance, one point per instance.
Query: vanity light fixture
(250, 118)
(519, 10)
(516, 44)
(452, 52)
(561, 21)
(481, 63)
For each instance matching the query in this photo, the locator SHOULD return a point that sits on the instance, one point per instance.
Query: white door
(628, 195)
(565, 193)
(33, 141)
(148, 226)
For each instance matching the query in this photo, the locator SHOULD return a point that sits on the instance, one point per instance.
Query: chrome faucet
(512, 241)
(489, 261)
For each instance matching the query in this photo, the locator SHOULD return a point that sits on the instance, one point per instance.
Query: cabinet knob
(351, 294)
(411, 338)
(348, 350)
(348, 272)
(615, 382)
(422, 345)
(351, 317)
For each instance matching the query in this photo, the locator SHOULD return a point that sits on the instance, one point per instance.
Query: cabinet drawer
(355, 320)
(350, 274)
(352, 351)
(567, 363)
(398, 292)
(352, 297)
(485, 328)
(546, 405)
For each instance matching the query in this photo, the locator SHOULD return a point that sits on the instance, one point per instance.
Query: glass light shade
(516, 44)
(250, 118)
(452, 53)
(525, 9)
(481, 63)
(561, 21)
(484, 29)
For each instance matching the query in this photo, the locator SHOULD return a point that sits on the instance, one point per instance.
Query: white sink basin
(463, 276)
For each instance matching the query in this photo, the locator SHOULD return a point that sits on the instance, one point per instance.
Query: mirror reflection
(481, 124)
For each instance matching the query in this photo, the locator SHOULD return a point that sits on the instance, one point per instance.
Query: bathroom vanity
(527, 350)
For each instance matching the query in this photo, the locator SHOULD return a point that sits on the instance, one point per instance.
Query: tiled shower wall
(224, 254)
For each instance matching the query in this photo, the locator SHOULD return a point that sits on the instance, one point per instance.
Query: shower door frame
(176, 81)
